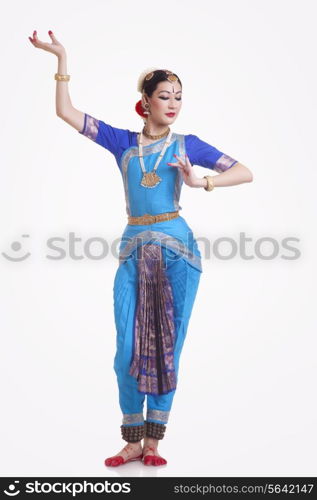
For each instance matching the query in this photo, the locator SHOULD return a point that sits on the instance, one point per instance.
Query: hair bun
(142, 76)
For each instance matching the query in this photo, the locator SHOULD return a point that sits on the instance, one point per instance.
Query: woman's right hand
(55, 47)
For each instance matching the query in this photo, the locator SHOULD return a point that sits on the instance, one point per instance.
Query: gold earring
(147, 106)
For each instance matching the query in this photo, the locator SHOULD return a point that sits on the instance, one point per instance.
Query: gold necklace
(159, 136)
(151, 179)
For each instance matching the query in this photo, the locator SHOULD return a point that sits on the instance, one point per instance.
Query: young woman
(159, 261)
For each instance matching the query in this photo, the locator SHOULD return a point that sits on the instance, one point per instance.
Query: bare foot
(131, 451)
(151, 456)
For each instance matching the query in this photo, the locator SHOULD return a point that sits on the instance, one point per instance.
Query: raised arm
(64, 106)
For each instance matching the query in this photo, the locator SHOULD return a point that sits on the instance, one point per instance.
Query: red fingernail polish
(50, 32)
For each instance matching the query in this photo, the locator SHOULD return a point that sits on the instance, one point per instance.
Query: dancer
(159, 267)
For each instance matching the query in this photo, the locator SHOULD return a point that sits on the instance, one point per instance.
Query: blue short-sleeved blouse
(122, 143)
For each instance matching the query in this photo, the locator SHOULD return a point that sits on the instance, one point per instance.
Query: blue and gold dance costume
(149, 365)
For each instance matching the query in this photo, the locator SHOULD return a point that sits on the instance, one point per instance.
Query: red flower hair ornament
(148, 72)
(139, 109)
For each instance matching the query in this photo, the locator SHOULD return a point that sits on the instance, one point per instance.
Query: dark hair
(159, 76)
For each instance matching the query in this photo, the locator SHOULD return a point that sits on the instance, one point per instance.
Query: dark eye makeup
(166, 98)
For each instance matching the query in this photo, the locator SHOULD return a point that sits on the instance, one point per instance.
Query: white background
(246, 402)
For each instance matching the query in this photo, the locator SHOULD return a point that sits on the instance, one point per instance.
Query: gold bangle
(210, 183)
(62, 78)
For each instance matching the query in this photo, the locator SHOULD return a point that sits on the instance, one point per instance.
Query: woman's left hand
(187, 171)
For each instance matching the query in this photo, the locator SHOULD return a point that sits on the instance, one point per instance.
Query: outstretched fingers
(43, 45)
(34, 39)
(180, 164)
(36, 42)
(183, 162)
(53, 37)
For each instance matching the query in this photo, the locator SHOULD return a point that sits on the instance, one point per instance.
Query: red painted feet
(152, 459)
(126, 455)
(124, 458)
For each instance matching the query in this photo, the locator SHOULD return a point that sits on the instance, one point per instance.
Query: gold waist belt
(151, 219)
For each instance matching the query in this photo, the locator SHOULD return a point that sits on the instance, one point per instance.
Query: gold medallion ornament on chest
(151, 179)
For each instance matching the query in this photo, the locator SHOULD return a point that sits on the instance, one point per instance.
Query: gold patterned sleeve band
(62, 78)
(210, 183)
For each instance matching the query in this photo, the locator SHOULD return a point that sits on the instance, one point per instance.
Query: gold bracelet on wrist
(210, 183)
(62, 78)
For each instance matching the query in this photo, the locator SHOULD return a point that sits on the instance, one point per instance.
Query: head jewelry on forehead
(146, 75)
(171, 77)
